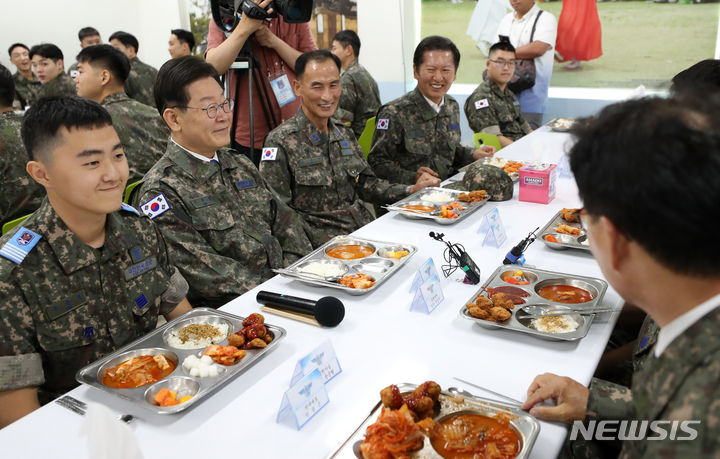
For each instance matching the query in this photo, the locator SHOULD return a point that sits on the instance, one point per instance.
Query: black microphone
(328, 310)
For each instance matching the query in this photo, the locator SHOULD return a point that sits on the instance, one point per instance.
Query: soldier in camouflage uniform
(315, 164)
(492, 179)
(142, 131)
(360, 96)
(677, 361)
(140, 81)
(420, 131)
(88, 36)
(48, 65)
(225, 228)
(27, 84)
(70, 297)
(20, 194)
(493, 107)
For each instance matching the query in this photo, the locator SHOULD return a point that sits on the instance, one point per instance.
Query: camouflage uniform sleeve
(208, 273)
(289, 229)
(377, 190)
(609, 401)
(463, 157)
(348, 100)
(20, 361)
(177, 285)
(524, 125)
(387, 144)
(482, 119)
(276, 173)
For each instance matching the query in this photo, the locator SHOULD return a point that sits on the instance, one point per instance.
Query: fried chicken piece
(391, 397)
(257, 343)
(570, 215)
(479, 313)
(483, 302)
(236, 339)
(501, 300)
(567, 229)
(500, 314)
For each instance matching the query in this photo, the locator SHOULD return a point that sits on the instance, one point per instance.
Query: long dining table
(379, 342)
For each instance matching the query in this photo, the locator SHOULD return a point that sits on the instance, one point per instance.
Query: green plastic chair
(366, 137)
(483, 138)
(127, 197)
(13, 223)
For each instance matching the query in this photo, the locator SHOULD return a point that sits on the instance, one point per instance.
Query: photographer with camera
(274, 44)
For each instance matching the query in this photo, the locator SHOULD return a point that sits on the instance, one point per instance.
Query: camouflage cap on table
(492, 179)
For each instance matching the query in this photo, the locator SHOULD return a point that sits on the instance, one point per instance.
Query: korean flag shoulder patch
(269, 154)
(382, 124)
(156, 206)
(482, 103)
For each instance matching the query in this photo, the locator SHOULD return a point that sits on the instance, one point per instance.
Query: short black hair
(502, 45)
(87, 32)
(435, 43)
(319, 55)
(175, 75)
(48, 51)
(107, 57)
(127, 39)
(651, 166)
(184, 36)
(705, 74)
(7, 87)
(44, 118)
(15, 45)
(349, 37)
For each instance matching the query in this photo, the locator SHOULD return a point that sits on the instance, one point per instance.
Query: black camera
(226, 13)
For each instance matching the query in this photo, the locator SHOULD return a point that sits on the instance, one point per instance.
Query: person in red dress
(579, 36)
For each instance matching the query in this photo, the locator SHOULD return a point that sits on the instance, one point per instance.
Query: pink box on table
(537, 183)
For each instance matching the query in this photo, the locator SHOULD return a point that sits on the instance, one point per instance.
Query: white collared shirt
(196, 155)
(676, 328)
(435, 106)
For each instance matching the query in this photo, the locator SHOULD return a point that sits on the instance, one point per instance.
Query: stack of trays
(349, 256)
(424, 204)
(157, 343)
(564, 241)
(529, 295)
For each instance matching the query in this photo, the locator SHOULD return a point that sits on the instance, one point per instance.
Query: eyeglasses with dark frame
(213, 109)
(500, 63)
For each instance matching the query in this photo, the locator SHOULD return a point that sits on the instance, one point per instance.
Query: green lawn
(643, 43)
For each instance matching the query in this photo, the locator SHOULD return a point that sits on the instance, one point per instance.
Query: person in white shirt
(650, 233)
(518, 26)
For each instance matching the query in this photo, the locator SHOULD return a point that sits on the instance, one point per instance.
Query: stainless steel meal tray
(557, 125)
(597, 287)
(469, 207)
(155, 343)
(378, 265)
(525, 425)
(565, 241)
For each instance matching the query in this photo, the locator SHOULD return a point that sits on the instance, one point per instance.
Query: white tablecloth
(380, 342)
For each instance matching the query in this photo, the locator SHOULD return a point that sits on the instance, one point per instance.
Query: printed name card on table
(322, 358)
(307, 394)
(493, 229)
(426, 288)
(303, 400)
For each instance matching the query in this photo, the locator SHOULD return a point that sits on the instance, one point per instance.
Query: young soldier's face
(47, 69)
(20, 58)
(436, 74)
(501, 66)
(90, 41)
(319, 89)
(89, 82)
(176, 48)
(87, 172)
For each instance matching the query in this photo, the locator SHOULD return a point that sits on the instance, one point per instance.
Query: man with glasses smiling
(493, 107)
(226, 230)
